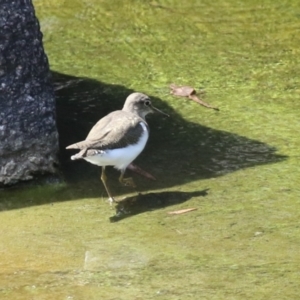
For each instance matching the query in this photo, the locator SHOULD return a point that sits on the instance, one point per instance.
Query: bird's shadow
(141, 203)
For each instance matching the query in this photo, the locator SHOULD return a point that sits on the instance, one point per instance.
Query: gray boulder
(28, 134)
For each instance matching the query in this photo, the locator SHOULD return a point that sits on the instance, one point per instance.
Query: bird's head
(140, 104)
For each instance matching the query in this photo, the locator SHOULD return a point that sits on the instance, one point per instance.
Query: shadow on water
(141, 203)
(178, 151)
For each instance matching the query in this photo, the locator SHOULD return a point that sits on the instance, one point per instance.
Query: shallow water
(238, 167)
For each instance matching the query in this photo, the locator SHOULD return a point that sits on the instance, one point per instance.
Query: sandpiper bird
(118, 138)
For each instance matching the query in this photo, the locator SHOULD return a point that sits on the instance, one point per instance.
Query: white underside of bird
(120, 158)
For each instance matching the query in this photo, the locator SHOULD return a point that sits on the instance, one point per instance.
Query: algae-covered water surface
(238, 166)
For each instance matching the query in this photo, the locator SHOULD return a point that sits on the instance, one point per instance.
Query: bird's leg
(103, 179)
(126, 181)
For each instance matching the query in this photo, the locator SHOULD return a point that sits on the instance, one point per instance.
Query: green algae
(57, 241)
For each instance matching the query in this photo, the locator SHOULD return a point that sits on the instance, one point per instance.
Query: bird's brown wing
(112, 132)
(101, 126)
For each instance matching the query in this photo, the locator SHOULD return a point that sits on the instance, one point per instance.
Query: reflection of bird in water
(135, 205)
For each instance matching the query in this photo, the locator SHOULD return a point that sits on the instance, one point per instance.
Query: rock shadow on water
(141, 203)
(177, 151)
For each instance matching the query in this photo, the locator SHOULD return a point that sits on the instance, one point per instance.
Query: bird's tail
(74, 146)
(78, 155)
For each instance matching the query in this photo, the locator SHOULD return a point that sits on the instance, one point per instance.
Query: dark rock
(28, 134)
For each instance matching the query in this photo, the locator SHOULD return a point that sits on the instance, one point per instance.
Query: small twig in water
(181, 211)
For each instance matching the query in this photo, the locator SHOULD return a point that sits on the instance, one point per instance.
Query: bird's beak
(159, 111)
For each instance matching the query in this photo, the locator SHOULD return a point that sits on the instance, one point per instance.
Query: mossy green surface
(239, 167)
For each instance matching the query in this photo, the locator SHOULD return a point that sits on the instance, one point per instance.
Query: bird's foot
(111, 201)
(128, 182)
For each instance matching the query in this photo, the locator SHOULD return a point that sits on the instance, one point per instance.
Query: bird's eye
(147, 102)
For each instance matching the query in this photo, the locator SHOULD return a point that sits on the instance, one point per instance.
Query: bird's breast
(120, 158)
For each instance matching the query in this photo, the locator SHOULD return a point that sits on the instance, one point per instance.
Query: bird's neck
(136, 112)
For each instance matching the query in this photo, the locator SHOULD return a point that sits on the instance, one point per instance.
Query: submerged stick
(140, 171)
(181, 211)
(189, 92)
